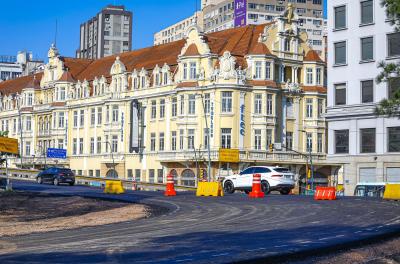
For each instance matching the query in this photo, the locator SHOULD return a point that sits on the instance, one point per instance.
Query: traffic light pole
(7, 178)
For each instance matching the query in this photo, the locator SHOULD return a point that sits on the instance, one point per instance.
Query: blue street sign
(56, 153)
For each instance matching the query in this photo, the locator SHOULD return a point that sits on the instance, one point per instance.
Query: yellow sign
(229, 155)
(9, 145)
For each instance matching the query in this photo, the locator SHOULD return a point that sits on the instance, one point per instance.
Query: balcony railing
(244, 156)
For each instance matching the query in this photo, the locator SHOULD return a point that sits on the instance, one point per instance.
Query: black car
(56, 176)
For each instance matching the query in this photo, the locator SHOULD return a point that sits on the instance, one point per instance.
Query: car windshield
(281, 170)
(65, 170)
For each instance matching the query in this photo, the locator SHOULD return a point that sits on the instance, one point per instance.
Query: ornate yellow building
(145, 113)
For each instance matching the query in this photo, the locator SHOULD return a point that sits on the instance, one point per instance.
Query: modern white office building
(12, 67)
(367, 145)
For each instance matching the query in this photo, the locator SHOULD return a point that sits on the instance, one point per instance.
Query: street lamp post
(208, 141)
(42, 151)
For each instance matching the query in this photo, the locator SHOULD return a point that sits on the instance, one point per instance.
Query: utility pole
(112, 157)
(208, 141)
(311, 166)
(18, 102)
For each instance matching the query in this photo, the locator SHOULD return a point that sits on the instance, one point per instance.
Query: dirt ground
(24, 213)
(384, 252)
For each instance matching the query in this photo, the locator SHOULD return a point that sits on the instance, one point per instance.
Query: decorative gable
(195, 42)
(118, 67)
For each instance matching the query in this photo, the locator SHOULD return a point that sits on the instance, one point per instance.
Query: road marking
(257, 249)
(222, 254)
(281, 246)
(357, 232)
(182, 260)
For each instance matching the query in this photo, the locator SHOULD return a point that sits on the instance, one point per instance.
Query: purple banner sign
(240, 13)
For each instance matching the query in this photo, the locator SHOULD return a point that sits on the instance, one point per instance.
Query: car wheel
(285, 191)
(56, 182)
(228, 187)
(265, 187)
(247, 191)
(39, 180)
(72, 183)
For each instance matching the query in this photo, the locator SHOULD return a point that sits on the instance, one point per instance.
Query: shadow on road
(273, 246)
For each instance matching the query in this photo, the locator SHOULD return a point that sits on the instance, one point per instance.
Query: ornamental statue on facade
(292, 88)
(227, 66)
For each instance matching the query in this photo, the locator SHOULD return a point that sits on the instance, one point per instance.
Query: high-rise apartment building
(360, 36)
(108, 33)
(219, 15)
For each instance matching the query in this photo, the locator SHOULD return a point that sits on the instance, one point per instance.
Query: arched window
(112, 174)
(188, 178)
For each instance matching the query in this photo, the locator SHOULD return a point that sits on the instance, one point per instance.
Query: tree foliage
(390, 71)
(392, 12)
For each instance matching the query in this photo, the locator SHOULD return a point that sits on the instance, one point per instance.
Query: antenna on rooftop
(55, 35)
(195, 11)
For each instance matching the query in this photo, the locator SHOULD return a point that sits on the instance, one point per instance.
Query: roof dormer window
(143, 82)
(287, 44)
(157, 79)
(165, 78)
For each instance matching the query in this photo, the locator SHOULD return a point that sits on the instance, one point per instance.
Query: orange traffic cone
(170, 191)
(256, 191)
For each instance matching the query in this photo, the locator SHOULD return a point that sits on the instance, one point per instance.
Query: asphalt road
(206, 229)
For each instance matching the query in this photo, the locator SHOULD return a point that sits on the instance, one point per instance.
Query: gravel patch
(383, 252)
(25, 213)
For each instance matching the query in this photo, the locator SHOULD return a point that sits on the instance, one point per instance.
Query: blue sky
(30, 25)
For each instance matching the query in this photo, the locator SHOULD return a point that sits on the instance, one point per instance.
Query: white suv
(272, 179)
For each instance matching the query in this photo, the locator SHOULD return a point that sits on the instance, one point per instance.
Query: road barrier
(256, 191)
(209, 189)
(114, 187)
(170, 190)
(325, 193)
(392, 192)
(100, 182)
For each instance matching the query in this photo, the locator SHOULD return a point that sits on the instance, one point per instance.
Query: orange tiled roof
(67, 77)
(312, 55)
(58, 104)
(192, 51)
(187, 84)
(268, 83)
(318, 89)
(259, 49)
(238, 41)
(16, 85)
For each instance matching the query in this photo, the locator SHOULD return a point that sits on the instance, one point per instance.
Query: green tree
(390, 71)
